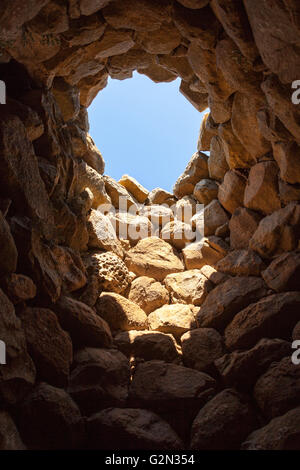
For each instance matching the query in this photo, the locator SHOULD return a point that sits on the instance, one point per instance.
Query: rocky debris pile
(124, 319)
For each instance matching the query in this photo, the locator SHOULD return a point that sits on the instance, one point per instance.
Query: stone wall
(152, 344)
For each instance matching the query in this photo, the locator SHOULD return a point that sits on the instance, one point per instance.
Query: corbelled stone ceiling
(156, 342)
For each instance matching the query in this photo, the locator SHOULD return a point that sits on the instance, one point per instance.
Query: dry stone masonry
(155, 341)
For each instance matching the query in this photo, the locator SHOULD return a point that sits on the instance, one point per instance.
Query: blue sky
(144, 129)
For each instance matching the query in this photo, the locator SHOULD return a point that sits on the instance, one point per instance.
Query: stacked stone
(153, 343)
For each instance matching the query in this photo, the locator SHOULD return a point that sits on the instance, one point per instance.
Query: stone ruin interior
(155, 343)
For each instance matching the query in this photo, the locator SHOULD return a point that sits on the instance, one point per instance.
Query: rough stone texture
(148, 345)
(106, 271)
(49, 346)
(277, 232)
(133, 429)
(170, 387)
(287, 156)
(277, 391)
(280, 433)
(174, 319)
(153, 257)
(99, 379)
(283, 273)
(241, 369)
(85, 327)
(205, 191)
(214, 217)
(196, 170)
(231, 191)
(19, 288)
(223, 423)
(241, 263)
(272, 317)
(49, 419)
(17, 376)
(185, 209)
(205, 252)
(148, 293)
(130, 226)
(296, 332)
(102, 235)
(200, 348)
(178, 234)
(229, 298)
(261, 193)
(190, 287)
(120, 313)
(217, 164)
(158, 215)
(161, 196)
(237, 58)
(135, 188)
(118, 194)
(8, 251)
(247, 129)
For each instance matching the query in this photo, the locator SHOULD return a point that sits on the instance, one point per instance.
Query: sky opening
(144, 129)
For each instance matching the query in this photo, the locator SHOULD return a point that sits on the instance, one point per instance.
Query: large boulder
(120, 313)
(173, 391)
(17, 376)
(271, 317)
(277, 232)
(229, 298)
(175, 319)
(8, 250)
(49, 345)
(277, 391)
(241, 263)
(9, 435)
(223, 423)
(281, 433)
(214, 217)
(217, 164)
(207, 251)
(153, 257)
(49, 420)
(200, 348)
(242, 225)
(287, 156)
(241, 369)
(99, 378)
(85, 327)
(195, 171)
(148, 293)
(178, 234)
(148, 345)
(231, 191)
(133, 429)
(189, 287)
(102, 235)
(106, 271)
(19, 288)
(205, 191)
(283, 273)
(261, 193)
(135, 188)
(130, 226)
